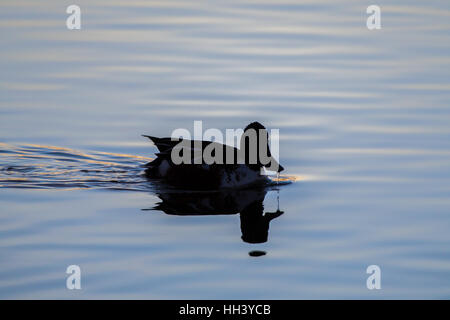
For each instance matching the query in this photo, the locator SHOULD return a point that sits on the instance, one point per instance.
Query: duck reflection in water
(248, 202)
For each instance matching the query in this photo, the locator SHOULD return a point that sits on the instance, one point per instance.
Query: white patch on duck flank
(241, 176)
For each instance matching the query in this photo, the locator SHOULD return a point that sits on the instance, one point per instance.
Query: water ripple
(36, 166)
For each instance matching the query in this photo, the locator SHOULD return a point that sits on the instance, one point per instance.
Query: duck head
(255, 146)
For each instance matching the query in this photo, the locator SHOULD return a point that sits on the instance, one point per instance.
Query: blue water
(364, 132)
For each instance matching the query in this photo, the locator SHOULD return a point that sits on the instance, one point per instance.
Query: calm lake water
(364, 130)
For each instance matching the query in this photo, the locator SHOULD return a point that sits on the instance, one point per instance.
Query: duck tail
(155, 140)
(163, 144)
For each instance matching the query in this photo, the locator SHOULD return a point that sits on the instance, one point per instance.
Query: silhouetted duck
(194, 172)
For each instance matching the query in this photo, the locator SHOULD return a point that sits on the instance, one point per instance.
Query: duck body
(227, 166)
(201, 175)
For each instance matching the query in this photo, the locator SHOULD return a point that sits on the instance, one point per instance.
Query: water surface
(364, 127)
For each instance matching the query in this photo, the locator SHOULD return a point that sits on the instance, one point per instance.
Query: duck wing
(165, 146)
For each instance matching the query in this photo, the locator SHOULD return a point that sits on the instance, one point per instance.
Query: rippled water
(47, 167)
(364, 127)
